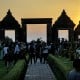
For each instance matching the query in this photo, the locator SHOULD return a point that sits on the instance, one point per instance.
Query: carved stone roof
(9, 22)
(78, 28)
(63, 21)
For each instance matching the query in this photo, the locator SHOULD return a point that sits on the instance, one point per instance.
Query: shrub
(17, 72)
(61, 64)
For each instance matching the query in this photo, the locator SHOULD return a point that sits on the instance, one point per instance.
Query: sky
(40, 9)
(63, 34)
(39, 32)
(10, 34)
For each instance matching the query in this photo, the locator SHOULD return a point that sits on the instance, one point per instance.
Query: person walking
(32, 52)
(45, 53)
(16, 52)
(6, 55)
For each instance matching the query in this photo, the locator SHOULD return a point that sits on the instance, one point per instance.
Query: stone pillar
(24, 32)
(49, 33)
(71, 34)
(2, 34)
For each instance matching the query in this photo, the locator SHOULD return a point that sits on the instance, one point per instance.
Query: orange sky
(36, 31)
(40, 9)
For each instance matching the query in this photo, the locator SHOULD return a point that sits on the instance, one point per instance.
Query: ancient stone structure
(77, 32)
(47, 21)
(63, 23)
(9, 23)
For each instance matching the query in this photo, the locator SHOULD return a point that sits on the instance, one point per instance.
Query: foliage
(3, 69)
(18, 71)
(8, 40)
(62, 64)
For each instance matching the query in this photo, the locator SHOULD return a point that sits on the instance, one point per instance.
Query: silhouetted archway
(9, 23)
(47, 21)
(63, 23)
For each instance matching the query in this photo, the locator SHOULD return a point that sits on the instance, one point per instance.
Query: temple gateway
(63, 22)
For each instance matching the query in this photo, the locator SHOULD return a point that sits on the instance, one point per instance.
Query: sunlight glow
(35, 31)
(78, 36)
(10, 34)
(63, 34)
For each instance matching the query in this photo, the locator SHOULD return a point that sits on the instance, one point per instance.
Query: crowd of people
(38, 51)
(12, 51)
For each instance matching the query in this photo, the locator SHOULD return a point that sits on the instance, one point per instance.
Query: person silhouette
(74, 74)
(32, 52)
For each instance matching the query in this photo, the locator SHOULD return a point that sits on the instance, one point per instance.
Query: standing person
(75, 73)
(6, 55)
(38, 52)
(45, 53)
(11, 53)
(1, 51)
(53, 48)
(16, 52)
(32, 52)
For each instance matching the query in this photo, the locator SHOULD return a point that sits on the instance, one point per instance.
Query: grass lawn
(3, 69)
